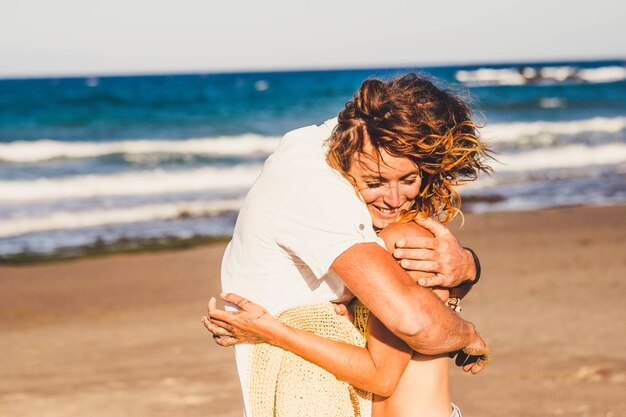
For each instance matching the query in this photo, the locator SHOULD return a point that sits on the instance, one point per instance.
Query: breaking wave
(44, 149)
(89, 218)
(530, 75)
(130, 183)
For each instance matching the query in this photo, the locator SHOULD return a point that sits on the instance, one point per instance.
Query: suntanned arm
(376, 369)
(411, 312)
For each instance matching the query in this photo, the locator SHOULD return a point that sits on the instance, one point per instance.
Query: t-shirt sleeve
(321, 218)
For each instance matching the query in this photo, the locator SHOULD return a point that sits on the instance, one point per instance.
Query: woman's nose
(392, 197)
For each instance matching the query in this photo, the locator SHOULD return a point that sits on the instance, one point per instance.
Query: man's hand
(442, 254)
(474, 357)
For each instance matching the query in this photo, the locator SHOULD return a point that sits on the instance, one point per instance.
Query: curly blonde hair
(409, 117)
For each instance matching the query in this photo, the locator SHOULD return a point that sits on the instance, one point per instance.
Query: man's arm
(412, 312)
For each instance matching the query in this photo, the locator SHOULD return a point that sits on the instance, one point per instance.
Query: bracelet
(476, 265)
(454, 303)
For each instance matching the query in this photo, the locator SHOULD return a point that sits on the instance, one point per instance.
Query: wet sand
(121, 335)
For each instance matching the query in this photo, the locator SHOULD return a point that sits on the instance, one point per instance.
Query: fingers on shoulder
(433, 226)
(396, 231)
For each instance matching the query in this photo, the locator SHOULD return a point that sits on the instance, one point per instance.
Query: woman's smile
(386, 212)
(387, 184)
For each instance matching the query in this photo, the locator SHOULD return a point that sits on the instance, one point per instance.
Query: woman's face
(386, 185)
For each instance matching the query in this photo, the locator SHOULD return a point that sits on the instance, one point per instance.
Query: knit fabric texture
(283, 384)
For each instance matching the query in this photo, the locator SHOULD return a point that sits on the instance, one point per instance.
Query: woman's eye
(374, 184)
(410, 181)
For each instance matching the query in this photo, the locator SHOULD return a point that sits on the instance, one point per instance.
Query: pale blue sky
(61, 37)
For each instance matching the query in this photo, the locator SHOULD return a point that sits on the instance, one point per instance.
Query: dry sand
(121, 335)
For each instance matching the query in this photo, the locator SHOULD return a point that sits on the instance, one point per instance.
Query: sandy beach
(121, 335)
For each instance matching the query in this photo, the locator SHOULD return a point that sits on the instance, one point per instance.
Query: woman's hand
(441, 254)
(251, 324)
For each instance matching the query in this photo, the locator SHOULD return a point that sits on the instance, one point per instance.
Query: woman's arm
(377, 368)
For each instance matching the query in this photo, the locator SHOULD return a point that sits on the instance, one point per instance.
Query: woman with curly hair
(404, 145)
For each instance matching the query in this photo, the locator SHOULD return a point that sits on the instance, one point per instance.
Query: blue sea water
(107, 158)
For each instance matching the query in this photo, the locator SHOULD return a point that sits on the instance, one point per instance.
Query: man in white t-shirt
(301, 228)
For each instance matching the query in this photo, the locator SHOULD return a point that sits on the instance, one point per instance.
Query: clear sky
(91, 37)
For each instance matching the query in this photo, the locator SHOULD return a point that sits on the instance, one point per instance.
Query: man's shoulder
(298, 173)
(307, 141)
(314, 131)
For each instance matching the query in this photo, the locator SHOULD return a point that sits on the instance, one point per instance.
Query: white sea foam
(519, 131)
(130, 183)
(603, 74)
(42, 150)
(575, 156)
(256, 145)
(489, 76)
(556, 73)
(570, 156)
(526, 75)
(88, 218)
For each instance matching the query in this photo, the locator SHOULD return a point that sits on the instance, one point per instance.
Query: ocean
(98, 160)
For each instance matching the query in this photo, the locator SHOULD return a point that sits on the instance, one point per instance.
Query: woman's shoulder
(399, 230)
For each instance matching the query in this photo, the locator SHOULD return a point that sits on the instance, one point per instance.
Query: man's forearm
(441, 332)
(413, 313)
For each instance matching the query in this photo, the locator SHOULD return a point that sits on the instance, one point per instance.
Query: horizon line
(295, 69)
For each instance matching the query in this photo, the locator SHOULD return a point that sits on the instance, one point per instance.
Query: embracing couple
(351, 287)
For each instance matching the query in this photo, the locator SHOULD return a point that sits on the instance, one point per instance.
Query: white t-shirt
(297, 218)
